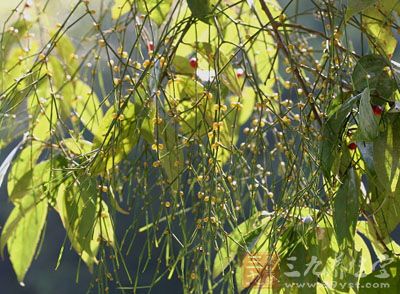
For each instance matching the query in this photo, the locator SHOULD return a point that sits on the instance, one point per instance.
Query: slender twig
(275, 25)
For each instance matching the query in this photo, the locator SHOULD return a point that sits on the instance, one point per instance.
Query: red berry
(239, 72)
(377, 109)
(352, 146)
(150, 46)
(193, 62)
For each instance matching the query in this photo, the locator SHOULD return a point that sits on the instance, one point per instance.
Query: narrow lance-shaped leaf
(171, 156)
(386, 154)
(332, 131)
(346, 207)
(246, 107)
(367, 124)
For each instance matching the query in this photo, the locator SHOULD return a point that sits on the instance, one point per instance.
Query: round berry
(352, 146)
(150, 46)
(377, 109)
(239, 72)
(193, 62)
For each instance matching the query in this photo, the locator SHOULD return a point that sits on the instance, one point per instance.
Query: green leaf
(236, 240)
(22, 233)
(298, 260)
(171, 156)
(44, 110)
(202, 9)
(367, 229)
(146, 119)
(356, 6)
(377, 20)
(261, 251)
(384, 280)
(40, 179)
(116, 134)
(104, 227)
(366, 258)
(332, 132)
(367, 124)
(66, 51)
(32, 182)
(77, 146)
(347, 269)
(86, 105)
(182, 66)
(187, 98)
(227, 136)
(386, 153)
(120, 8)
(156, 9)
(23, 165)
(114, 202)
(366, 151)
(262, 50)
(57, 72)
(85, 218)
(371, 72)
(328, 250)
(247, 102)
(147, 129)
(10, 37)
(346, 206)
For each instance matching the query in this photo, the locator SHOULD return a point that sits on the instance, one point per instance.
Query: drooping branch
(282, 45)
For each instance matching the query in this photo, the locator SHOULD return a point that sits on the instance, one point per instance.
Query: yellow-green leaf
(22, 233)
(157, 10)
(171, 156)
(368, 124)
(85, 217)
(356, 6)
(77, 146)
(385, 200)
(378, 21)
(23, 164)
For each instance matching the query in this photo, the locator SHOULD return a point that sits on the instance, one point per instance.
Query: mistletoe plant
(253, 145)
